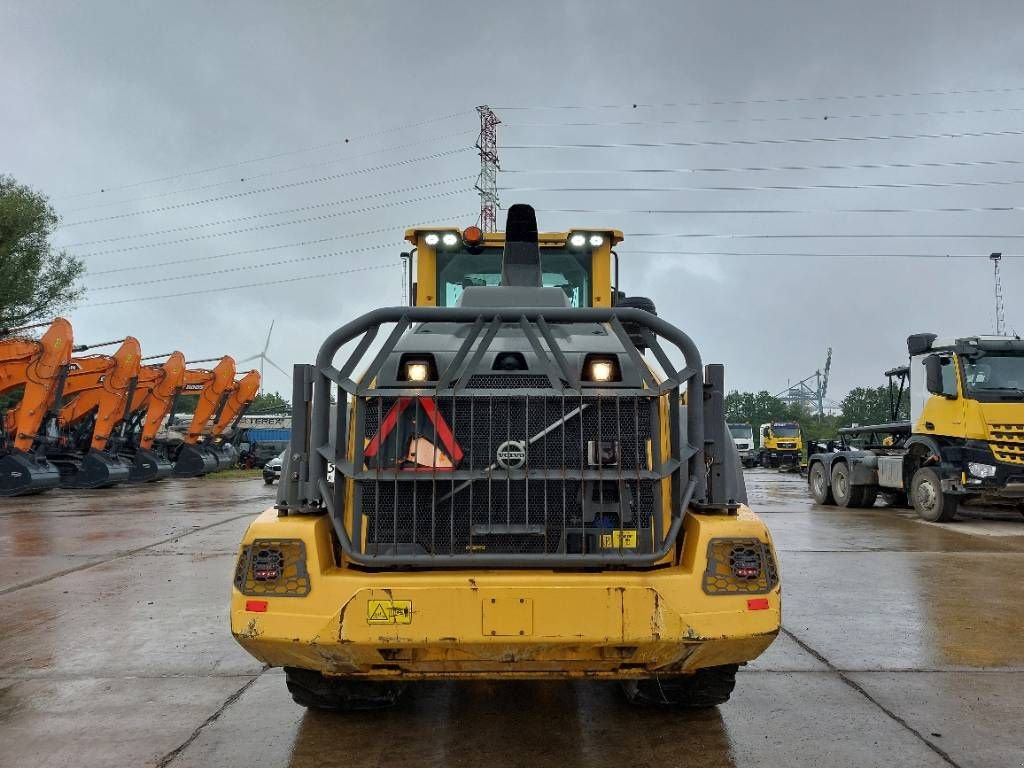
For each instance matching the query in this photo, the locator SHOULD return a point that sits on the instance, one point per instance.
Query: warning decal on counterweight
(389, 612)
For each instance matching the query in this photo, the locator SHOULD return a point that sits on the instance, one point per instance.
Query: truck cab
(781, 445)
(502, 481)
(743, 439)
(964, 440)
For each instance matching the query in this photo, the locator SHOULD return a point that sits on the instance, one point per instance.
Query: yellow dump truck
(524, 474)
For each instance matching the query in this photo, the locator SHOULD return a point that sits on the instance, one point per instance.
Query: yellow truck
(963, 442)
(519, 482)
(781, 445)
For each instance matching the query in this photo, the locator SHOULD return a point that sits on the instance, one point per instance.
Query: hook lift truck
(963, 442)
(521, 482)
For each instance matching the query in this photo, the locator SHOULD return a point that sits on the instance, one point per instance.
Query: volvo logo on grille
(512, 454)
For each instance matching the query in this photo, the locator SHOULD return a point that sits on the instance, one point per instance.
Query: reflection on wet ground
(903, 646)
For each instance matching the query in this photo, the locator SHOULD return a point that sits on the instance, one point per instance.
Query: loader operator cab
(447, 261)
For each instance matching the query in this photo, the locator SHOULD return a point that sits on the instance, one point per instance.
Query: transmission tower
(487, 181)
(1000, 307)
(812, 389)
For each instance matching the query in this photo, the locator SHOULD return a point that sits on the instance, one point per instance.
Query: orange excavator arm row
(239, 397)
(163, 383)
(38, 366)
(101, 385)
(212, 387)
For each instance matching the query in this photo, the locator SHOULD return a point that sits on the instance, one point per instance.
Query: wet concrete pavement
(903, 644)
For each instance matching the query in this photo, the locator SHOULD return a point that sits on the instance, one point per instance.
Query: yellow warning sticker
(616, 539)
(389, 612)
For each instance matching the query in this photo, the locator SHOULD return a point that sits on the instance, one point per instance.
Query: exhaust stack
(520, 262)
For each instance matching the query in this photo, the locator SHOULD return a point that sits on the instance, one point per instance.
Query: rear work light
(739, 566)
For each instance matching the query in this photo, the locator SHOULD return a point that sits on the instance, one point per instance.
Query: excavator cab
(37, 367)
(155, 391)
(195, 457)
(97, 392)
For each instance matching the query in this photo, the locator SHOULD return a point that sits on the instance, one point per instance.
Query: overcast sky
(141, 99)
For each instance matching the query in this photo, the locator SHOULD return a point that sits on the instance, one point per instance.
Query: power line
(759, 254)
(757, 142)
(274, 156)
(245, 267)
(774, 211)
(775, 119)
(273, 188)
(282, 211)
(277, 282)
(770, 168)
(265, 249)
(774, 187)
(266, 174)
(779, 100)
(827, 236)
(276, 224)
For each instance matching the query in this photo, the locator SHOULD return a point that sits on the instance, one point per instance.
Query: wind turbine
(262, 357)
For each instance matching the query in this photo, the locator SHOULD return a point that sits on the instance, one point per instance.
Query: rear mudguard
(23, 474)
(93, 469)
(195, 461)
(147, 466)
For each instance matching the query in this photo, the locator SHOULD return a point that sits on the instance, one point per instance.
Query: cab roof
(614, 236)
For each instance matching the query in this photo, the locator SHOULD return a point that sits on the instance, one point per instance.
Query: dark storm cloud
(100, 95)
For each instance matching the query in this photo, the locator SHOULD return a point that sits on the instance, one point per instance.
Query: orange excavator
(240, 396)
(196, 457)
(97, 393)
(38, 367)
(155, 391)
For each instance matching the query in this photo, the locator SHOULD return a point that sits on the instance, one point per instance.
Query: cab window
(460, 270)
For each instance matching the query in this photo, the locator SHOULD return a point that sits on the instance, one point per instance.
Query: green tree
(36, 280)
(866, 405)
(269, 402)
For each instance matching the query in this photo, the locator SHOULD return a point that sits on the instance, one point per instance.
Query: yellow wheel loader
(522, 475)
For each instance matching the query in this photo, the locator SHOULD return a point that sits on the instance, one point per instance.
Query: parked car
(272, 469)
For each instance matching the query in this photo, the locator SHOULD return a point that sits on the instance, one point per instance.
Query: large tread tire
(846, 495)
(316, 691)
(705, 688)
(929, 501)
(818, 482)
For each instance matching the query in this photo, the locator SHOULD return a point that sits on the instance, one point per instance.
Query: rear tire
(705, 688)
(929, 501)
(316, 691)
(846, 495)
(817, 480)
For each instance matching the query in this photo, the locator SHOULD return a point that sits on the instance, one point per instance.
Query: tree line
(863, 405)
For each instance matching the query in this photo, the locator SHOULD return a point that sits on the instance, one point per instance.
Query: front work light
(432, 239)
(450, 239)
(601, 368)
(417, 371)
(578, 240)
(596, 241)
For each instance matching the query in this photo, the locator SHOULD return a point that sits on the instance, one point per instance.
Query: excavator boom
(195, 458)
(155, 391)
(39, 366)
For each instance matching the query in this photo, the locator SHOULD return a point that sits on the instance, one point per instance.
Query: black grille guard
(319, 440)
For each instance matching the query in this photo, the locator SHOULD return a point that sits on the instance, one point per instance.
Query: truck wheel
(268, 481)
(316, 691)
(705, 688)
(765, 461)
(817, 479)
(846, 495)
(929, 500)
